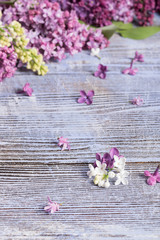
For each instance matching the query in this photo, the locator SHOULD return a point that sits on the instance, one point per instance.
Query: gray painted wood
(33, 167)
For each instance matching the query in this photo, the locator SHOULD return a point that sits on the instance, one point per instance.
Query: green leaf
(108, 31)
(121, 25)
(139, 32)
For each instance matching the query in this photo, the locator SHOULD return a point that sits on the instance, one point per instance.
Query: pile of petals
(8, 60)
(13, 47)
(53, 31)
(111, 165)
(101, 13)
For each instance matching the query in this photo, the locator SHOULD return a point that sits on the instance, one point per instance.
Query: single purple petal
(133, 71)
(81, 100)
(90, 93)
(102, 75)
(100, 67)
(96, 74)
(83, 93)
(147, 173)
(126, 71)
(114, 151)
(107, 157)
(98, 156)
(151, 180)
(89, 101)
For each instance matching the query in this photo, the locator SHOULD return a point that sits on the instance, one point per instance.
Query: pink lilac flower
(52, 207)
(52, 31)
(102, 12)
(138, 57)
(63, 143)
(101, 72)
(8, 60)
(27, 89)
(86, 97)
(108, 158)
(153, 177)
(137, 101)
(144, 11)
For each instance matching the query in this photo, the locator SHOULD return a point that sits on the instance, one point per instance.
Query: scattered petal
(27, 89)
(52, 207)
(137, 101)
(63, 143)
(153, 178)
(86, 97)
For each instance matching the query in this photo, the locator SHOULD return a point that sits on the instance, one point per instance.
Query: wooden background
(32, 166)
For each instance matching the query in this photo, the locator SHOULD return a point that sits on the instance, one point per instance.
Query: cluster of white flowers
(102, 174)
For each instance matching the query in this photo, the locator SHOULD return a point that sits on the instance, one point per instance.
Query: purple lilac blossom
(86, 97)
(108, 158)
(153, 177)
(53, 31)
(27, 89)
(101, 72)
(8, 60)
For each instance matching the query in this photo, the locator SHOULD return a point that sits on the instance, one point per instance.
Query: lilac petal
(89, 101)
(147, 174)
(102, 75)
(133, 71)
(96, 74)
(47, 208)
(158, 178)
(151, 180)
(49, 200)
(83, 93)
(114, 151)
(107, 157)
(90, 93)
(98, 156)
(81, 100)
(126, 71)
(100, 67)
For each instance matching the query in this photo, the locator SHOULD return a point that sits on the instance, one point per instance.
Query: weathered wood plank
(32, 166)
(133, 209)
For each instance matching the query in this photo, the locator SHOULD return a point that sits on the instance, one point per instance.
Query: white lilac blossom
(95, 52)
(106, 168)
(122, 177)
(119, 163)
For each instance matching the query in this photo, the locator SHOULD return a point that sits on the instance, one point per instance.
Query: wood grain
(33, 167)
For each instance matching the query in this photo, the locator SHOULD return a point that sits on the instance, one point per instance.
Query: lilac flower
(138, 57)
(153, 178)
(51, 30)
(137, 101)
(86, 97)
(63, 142)
(108, 158)
(101, 72)
(132, 71)
(8, 60)
(52, 206)
(27, 89)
